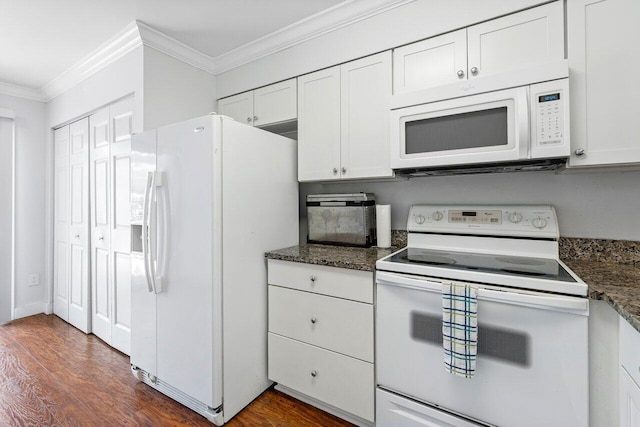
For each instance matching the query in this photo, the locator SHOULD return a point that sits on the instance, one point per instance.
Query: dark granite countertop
(609, 268)
(333, 256)
(616, 283)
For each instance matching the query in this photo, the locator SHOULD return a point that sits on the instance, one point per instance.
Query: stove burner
(519, 260)
(522, 272)
(430, 259)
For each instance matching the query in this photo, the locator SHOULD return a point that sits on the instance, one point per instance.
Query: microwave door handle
(523, 126)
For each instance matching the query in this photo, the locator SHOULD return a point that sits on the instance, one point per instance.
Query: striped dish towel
(459, 328)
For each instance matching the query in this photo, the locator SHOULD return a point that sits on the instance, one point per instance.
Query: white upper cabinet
(604, 55)
(343, 123)
(519, 41)
(432, 62)
(238, 107)
(268, 105)
(518, 49)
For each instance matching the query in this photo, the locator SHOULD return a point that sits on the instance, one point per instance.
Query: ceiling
(40, 39)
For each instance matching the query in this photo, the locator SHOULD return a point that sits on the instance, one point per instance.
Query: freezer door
(143, 301)
(184, 270)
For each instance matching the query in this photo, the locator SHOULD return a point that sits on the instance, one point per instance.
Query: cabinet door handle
(344, 170)
(314, 320)
(335, 171)
(474, 70)
(249, 119)
(460, 73)
(314, 374)
(100, 238)
(579, 151)
(255, 119)
(312, 278)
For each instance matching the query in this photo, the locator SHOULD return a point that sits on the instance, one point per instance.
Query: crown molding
(326, 21)
(174, 48)
(21, 92)
(110, 51)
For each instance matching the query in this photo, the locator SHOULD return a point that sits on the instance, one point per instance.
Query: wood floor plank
(52, 374)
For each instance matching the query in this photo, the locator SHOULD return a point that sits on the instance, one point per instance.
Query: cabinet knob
(312, 278)
(460, 73)
(249, 119)
(335, 171)
(344, 171)
(474, 70)
(314, 374)
(77, 236)
(314, 320)
(255, 118)
(579, 151)
(100, 238)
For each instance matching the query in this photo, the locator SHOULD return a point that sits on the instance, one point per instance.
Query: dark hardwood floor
(51, 374)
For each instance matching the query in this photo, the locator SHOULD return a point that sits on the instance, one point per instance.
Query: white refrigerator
(209, 196)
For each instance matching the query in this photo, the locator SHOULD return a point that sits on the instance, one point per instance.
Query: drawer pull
(314, 374)
(314, 320)
(312, 278)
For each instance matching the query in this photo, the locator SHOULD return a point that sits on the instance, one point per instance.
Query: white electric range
(532, 361)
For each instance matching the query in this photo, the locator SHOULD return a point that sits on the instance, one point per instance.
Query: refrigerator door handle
(145, 229)
(153, 233)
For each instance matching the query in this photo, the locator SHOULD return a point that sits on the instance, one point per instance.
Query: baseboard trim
(30, 310)
(353, 419)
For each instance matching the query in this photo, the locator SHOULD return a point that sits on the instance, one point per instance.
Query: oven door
(485, 128)
(532, 362)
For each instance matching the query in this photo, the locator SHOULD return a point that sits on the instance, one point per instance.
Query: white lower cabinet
(629, 375)
(321, 335)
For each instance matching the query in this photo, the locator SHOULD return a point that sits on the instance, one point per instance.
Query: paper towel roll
(383, 225)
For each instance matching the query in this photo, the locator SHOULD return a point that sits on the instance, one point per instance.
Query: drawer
(336, 324)
(340, 381)
(630, 349)
(337, 282)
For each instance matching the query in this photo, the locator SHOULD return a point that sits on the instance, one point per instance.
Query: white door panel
(79, 311)
(100, 221)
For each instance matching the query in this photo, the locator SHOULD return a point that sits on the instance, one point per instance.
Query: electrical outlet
(34, 279)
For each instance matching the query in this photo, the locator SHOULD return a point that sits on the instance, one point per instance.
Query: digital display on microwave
(549, 97)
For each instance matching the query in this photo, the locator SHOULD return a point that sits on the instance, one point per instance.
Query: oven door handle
(562, 303)
(567, 304)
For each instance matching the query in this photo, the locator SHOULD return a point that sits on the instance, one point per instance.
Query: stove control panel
(516, 221)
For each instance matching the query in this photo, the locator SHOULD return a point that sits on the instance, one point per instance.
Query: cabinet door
(604, 55)
(100, 224)
(121, 119)
(319, 125)
(61, 223)
(238, 107)
(522, 40)
(79, 312)
(629, 401)
(365, 105)
(432, 62)
(275, 103)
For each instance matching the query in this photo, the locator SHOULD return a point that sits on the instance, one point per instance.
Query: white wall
(30, 203)
(601, 205)
(174, 90)
(405, 24)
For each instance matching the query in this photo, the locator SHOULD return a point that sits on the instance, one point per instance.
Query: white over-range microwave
(522, 128)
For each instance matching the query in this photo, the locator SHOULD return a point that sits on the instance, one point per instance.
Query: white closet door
(6, 217)
(121, 119)
(61, 223)
(100, 229)
(79, 225)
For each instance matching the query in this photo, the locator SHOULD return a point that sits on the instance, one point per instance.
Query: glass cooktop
(538, 268)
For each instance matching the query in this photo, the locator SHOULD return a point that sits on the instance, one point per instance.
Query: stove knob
(420, 219)
(539, 222)
(437, 215)
(515, 217)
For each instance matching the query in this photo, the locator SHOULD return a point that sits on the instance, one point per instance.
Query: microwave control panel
(549, 120)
